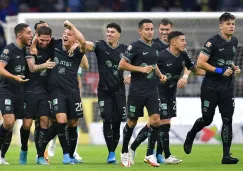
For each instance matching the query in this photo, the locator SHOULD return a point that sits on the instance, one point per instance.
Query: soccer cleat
(151, 159)
(52, 148)
(42, 161)
(66, 159)
(188, 143)
(131, 155)
(229, 160)
(77, 157)
(46, 156)
(125, 160)
(23, 157)
(111, 158)
(172, 160)
(76, 161)
(160, 159)
(72, 161)
(3, 161)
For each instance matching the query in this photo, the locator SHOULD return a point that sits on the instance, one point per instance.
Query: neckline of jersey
(111, 46)
(15, 44)
(165, 43)
(146, 43)
(172, 53)
(223, 37)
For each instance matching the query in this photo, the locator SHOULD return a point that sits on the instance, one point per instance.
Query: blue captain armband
(220, 70)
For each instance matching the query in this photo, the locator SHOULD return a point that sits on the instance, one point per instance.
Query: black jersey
(14, 57)
(38, 80)
(172, 66)
(221, 54)
(108, 58)
(162, 44)
(142, 54)
(63, 76)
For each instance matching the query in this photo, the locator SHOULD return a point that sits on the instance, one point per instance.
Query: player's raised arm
(79, 36)
(84, 62)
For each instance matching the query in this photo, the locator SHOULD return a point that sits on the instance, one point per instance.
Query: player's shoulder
(9, 48)
(185, 54)
(134, 45)
(234, 39)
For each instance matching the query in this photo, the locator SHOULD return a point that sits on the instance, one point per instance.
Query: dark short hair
(40, 22)
(44, 31)
(166, 21)
(225, 17)
(114, 25)
(19, 28)
(140, 24)
(174, 34)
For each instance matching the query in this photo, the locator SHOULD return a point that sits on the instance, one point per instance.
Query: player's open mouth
(65, 39)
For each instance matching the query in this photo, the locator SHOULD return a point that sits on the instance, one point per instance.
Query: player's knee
(8, 124)
(61, 118)
(44, 122)
(155, 120)
(72, 122)
(132, 123)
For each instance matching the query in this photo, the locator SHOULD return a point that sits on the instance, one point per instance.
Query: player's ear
(19, 35)
(221, 26)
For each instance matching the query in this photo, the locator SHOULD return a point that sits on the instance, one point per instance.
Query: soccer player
(111, 87)
(36, 101)
(141, 59)
(216, 58)
(165, 27)
(12, 70)
(65, 93)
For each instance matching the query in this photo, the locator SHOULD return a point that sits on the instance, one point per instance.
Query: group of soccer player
(38, 81)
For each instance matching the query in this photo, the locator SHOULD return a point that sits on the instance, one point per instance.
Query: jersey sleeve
(96, 48)
(28, 54)
(5, 56)
(129, 53)
(208, 48)
(188, 61)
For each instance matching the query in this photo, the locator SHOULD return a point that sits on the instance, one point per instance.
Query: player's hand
(182, 82)
(127, 79)
(237, 70)
(147, 69)
(49, 64)
(228, 72)
(163, 78)
(71, 50)
(20, 78)
(67, 24)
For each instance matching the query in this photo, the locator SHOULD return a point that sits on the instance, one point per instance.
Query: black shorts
(167, 107)
(210, 99)
(12, 105)
(36, 105)
(112, 106)
(136, 104)
(68, 103)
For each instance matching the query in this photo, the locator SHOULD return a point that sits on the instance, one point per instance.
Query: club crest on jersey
(208, 44)
(129, 47)
(109, 63)
(234, 49)
(221, 62)
(6, 51)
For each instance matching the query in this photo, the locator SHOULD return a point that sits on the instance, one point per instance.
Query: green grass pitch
(202, 158)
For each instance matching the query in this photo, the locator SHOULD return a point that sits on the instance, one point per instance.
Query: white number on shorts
(79, 107)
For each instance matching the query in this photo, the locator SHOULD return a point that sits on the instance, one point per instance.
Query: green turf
(203, 158)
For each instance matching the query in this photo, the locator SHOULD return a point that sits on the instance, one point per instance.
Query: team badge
(208, 44)
(129, 47)
(6, 51)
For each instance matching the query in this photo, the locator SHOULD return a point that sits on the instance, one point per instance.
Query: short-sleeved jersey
(172, 66)
(63, 76)
(142, 54)
(162, 44)
(38, 80)
(108, 58)
(221, 54)
(14, 57)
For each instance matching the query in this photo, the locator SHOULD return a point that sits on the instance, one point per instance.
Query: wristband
(186, 76)
(219, 70)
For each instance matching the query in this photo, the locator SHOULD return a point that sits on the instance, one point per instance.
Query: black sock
(152, 137)
(6, 144)
(159, 149)
(3, 134)
(36, 135)
(24, 134)
(141, 137)
(116, 133)
(108, 135)
(43, 141)
(226, 135)
(198, 126)
(165, 139)
(73, 137)
(63, 137)
(53, 130)
(127, 134)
